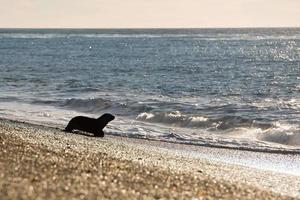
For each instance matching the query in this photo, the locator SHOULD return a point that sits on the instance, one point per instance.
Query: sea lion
(90, 125)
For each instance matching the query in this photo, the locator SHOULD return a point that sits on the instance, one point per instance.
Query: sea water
(234, 88)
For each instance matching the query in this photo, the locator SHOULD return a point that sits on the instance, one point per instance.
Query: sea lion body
(90, 125)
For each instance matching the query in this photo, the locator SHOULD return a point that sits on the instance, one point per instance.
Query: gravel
(39, 162)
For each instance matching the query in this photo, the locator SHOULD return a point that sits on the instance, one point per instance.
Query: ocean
(229, 88)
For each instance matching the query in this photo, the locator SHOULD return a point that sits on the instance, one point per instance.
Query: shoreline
(42, 162)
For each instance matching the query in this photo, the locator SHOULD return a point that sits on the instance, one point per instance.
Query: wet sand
(39, 162)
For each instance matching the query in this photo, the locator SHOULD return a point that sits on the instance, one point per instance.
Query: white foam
(174, 118)
(198, 119)
(145, 116)
(297, 88)
(282, 133)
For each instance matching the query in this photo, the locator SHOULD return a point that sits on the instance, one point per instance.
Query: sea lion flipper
(69, 127)
(99, 134)
(68, 130)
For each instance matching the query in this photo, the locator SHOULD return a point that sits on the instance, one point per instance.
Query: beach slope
(39, 162)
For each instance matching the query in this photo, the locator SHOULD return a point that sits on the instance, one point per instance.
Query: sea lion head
(107, 117)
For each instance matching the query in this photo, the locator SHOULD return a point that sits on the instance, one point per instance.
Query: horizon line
(149, 28)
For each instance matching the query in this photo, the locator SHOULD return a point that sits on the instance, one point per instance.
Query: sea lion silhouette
(90, 125)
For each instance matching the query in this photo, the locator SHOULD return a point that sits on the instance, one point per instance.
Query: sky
(148, 13)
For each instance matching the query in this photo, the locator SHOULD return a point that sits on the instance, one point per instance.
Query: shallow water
(236, 88)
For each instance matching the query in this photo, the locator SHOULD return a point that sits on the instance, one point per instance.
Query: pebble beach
(39, 162)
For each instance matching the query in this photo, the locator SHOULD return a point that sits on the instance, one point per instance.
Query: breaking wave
(196, 121)
(282, 133)
(174, 118)
(193, 123)
(238, 127)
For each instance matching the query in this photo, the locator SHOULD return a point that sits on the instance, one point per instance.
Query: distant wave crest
(87, 105)
(197, 36)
